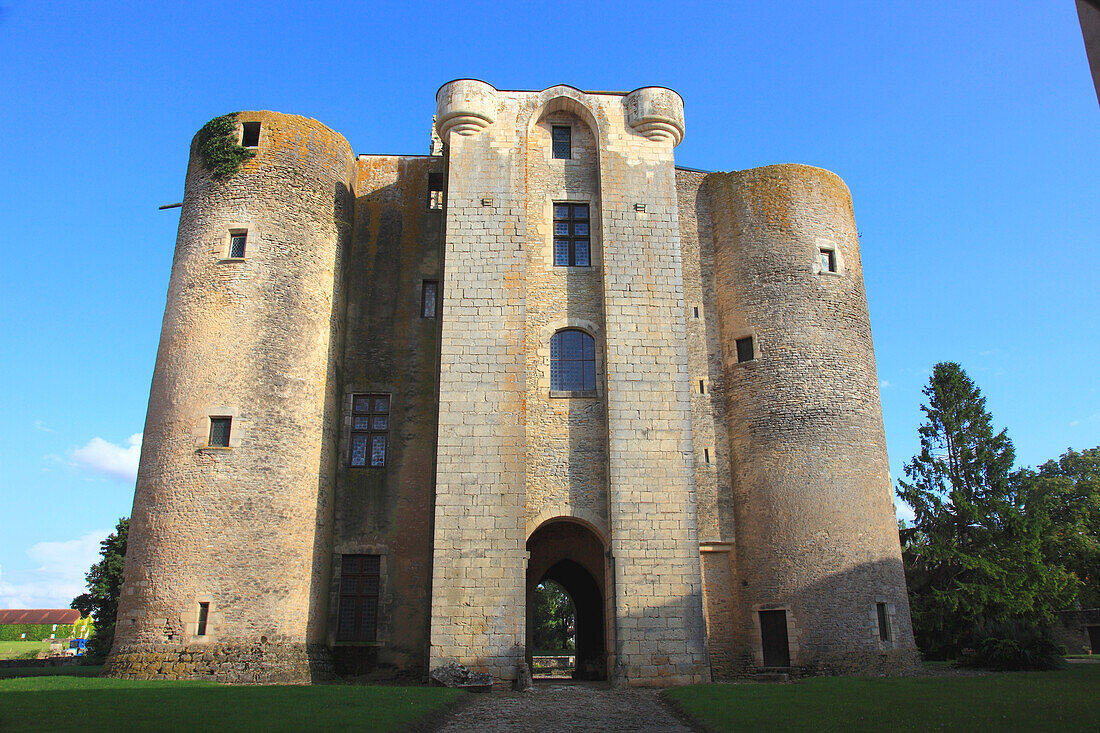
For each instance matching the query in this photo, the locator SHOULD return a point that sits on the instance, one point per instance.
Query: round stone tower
(229, 546)
(819, 579)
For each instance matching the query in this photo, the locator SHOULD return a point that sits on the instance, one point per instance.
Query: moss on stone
(217, 145)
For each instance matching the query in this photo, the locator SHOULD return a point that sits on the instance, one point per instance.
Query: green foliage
(218, 147)
(89, 705)
(1065, 496)
(104, 586)
(1023, 701)
(973, 555)
(35, 632)
(554, 618)
(1015, 645)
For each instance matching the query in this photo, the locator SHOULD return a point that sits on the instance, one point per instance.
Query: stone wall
(246, 528)
(813, 508)
(391, 348)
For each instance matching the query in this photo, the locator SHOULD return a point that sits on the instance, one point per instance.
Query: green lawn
(22, 649)
(65, 671)
(66, 703)
(1019, 701)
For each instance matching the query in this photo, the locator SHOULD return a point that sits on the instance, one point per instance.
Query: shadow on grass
(58, 703)
(1017, 701)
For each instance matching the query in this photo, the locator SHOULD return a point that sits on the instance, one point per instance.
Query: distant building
(396, 392)
(45, 622)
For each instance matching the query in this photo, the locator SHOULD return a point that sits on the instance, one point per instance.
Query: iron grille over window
(359, 578)
(370, 423)
(219, 431)
(429, 296)
(236, 244)
(572, 361)
(563, 142)
(571, 235)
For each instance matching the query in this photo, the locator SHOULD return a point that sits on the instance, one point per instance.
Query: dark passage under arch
(571, 555)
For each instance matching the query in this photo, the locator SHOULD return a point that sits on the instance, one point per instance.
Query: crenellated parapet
(465, 106)
(656, 113)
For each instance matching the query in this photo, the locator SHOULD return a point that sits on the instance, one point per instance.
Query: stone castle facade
(395, 393)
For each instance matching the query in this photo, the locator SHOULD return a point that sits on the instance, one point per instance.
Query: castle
(394, 393)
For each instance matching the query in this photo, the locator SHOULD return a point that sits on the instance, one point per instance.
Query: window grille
(219, 432)
(572, 361)
(369, 429)
(572, 243)
(563, 142)
(237, 244)
(358, 612)
(429, 296)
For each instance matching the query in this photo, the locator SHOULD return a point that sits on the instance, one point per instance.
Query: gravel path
(565, 707)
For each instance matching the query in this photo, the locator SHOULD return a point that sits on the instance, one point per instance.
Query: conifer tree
(973, 555)
(104, 587)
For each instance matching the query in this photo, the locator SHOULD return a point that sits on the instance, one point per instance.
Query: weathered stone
(457, 675)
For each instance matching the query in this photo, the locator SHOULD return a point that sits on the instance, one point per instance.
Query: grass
(22, 649)
(66, 703)
(1018, 701)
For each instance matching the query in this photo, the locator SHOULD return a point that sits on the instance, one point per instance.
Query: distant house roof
(39, 616)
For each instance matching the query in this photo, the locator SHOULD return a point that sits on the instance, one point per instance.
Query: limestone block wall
(813, 510)
(390, 348)
(245, 529)
(478, 578)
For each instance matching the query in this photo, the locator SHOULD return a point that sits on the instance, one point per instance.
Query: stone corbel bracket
(656, 113)
(465, 106)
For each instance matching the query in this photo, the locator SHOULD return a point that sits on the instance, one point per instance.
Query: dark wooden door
(1094, 638)
(773, 634)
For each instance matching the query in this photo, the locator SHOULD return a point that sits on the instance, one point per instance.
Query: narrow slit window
(883, 622)
(204, 614)
(563, 142)
(745, 349)
(219, 432)
(369, 429)
(696, 311)
(237, 242)
(706, 455)
(251, 136)
(828, 260)
(435, 190)
(702, 387)
(429, 297)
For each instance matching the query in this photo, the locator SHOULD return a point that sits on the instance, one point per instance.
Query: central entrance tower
(564, 389)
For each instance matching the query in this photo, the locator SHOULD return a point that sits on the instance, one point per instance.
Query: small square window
(250, 138)
(219, 432)
(370, 424)
(237, 241)
(828, 260)
(429, 296)
(744, 349)
(563, 142)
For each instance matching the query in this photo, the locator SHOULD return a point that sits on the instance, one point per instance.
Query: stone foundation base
(241, 663)
(893, 663)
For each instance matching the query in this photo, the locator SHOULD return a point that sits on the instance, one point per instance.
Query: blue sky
(967, 132)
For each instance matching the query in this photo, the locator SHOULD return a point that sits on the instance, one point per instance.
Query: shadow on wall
(852, 622)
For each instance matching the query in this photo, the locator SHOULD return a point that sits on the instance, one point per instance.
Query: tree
(104, 586)
(554, 618)
(1066, 494)
(973, 554)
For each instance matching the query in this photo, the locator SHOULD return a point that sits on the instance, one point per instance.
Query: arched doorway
(573, 556)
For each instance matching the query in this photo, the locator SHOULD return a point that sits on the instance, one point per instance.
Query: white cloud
(1090, 419)
(39, 425)
(883, 383)
(107, 459)
(58, 577)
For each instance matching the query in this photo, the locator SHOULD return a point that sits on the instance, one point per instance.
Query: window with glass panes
(571, 235)
(572, 361)
(563, 142)
(236, 244)
(219, 432)
(370, 425)
(359, 580)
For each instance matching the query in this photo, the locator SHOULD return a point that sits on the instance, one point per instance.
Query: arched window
(572, 361)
